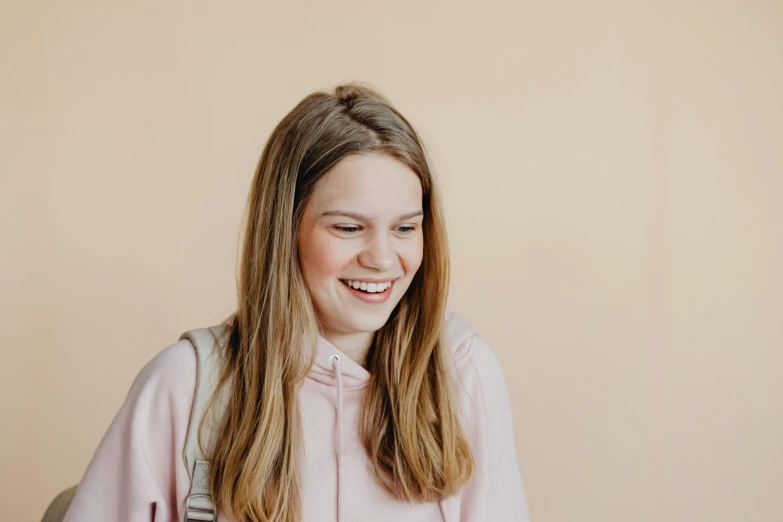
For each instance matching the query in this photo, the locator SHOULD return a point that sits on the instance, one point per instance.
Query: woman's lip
(371, 280)
(372, 298)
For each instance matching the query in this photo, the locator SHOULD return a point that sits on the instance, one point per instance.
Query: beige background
(613, 174)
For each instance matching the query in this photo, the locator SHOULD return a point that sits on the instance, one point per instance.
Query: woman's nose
(377, 254)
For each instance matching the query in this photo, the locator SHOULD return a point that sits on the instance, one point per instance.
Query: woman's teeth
(371, 288)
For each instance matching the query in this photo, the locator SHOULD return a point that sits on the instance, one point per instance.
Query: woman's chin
(366, 322)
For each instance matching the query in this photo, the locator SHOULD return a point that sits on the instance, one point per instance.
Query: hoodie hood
(459, 332)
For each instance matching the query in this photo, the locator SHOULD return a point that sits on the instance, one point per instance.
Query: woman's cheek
(331, 255)
(413, 255)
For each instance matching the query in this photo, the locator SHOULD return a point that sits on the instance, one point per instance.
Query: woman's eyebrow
(362, 217)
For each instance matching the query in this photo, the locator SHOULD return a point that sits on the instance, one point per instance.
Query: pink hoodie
(138, 473)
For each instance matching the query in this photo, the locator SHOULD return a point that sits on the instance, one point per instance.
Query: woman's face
(361, 241)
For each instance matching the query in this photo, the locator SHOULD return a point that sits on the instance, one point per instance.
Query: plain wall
(613, 174)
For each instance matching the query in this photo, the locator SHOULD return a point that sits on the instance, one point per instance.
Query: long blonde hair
(409, 423)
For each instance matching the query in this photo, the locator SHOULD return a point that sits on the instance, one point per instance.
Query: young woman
(353, 395)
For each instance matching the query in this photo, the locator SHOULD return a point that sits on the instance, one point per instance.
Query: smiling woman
(345, 390)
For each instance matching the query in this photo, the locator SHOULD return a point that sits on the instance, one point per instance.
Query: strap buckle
(202, 509)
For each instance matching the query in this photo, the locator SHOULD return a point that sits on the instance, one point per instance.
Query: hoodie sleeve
(137, 474)
(495, 492)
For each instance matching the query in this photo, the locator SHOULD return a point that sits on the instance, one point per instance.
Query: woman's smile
(373, 293)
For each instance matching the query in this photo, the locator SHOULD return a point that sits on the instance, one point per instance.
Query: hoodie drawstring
(442, 505)
(335, 360)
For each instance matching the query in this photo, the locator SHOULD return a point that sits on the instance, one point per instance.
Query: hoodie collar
(458, 331)
(354, 375)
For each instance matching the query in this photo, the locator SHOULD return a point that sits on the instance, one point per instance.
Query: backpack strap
(199, 505)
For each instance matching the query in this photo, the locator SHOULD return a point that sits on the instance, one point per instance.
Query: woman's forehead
(369, 182)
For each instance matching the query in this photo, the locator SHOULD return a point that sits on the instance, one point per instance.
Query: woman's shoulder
(143, 441)
(172, 370)
(485, 407)
(161, 396)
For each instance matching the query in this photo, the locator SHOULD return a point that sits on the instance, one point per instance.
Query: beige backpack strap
(199, 505)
